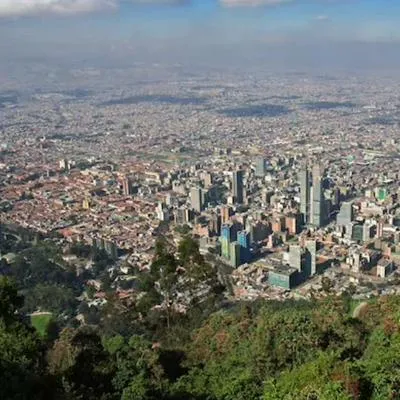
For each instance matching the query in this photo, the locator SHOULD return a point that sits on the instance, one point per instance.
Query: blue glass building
(243, 239)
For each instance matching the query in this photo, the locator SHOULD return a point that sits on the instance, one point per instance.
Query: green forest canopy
(259, 350)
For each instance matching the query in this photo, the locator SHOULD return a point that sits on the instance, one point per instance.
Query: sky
(56, 26)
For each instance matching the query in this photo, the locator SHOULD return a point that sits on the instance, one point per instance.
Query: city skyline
(182, 181)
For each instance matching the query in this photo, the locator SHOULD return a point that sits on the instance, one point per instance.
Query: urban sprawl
(290, 182)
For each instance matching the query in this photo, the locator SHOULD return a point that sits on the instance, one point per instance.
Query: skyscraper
(127, 187)
(183, 215)
(234, 252)
(318, 217)
(379, 230)
(215, 224)
(295, 256)
(226, 213)
(243, 238)
(305, 192)
(207, 179)
(346, 214)
(311, 258)
(196, 199)
(260, 167)
(237, 186)
(266, 196)
(291, 222)
(367, 228)
(225, 240)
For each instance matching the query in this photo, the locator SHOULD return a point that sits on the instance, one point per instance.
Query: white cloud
(161, 2)
(254, 3)
(322, 18)
(266, 3)
(16, 8)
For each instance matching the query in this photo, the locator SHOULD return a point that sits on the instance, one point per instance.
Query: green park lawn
(40, 322)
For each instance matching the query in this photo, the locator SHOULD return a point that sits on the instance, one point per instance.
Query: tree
(148, 300)
(21, 355)
(188, 251)
(57, 299)
(80, 250)
(161, 247)
(101, 261)
(381, 363)
(164, 271)
(41, 265)
(117, 318)
(10, 301)
(139, 373)
(80, 362)
(178, 279)
(311, 380)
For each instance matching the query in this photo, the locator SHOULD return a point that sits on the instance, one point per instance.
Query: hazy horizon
(289, 35)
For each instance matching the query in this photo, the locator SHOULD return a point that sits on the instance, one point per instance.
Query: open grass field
(40, 321)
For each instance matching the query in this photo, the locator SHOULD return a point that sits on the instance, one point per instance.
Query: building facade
(305, 200)
(237, 186)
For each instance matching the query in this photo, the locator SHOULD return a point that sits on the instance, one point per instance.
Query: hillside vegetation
(260, 350)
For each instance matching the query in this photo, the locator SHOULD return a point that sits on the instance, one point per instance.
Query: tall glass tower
(243, 238)
(237, 186)
(260, 167)
(196, 199)
(346, 213)
(318, 218)
(305, 192)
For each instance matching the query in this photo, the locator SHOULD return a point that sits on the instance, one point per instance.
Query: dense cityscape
(290, 181)
(199, 200)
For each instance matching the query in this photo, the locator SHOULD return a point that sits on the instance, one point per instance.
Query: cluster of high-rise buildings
(313, 205)
(291, 194)
(235, 244)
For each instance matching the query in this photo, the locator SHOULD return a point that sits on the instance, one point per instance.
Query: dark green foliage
(149, 299)
(81, 250)
(101, 261)
(183, 229)
(188, 251)
(173, 273)
(82, 365)
(146, 349)
(118, 319)
(10, 301)
(235, 353)
(138, 369)
(42, 265)
(56, 299)
(261, 350)
(20, 350)
(20, 358)
(45, 282)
